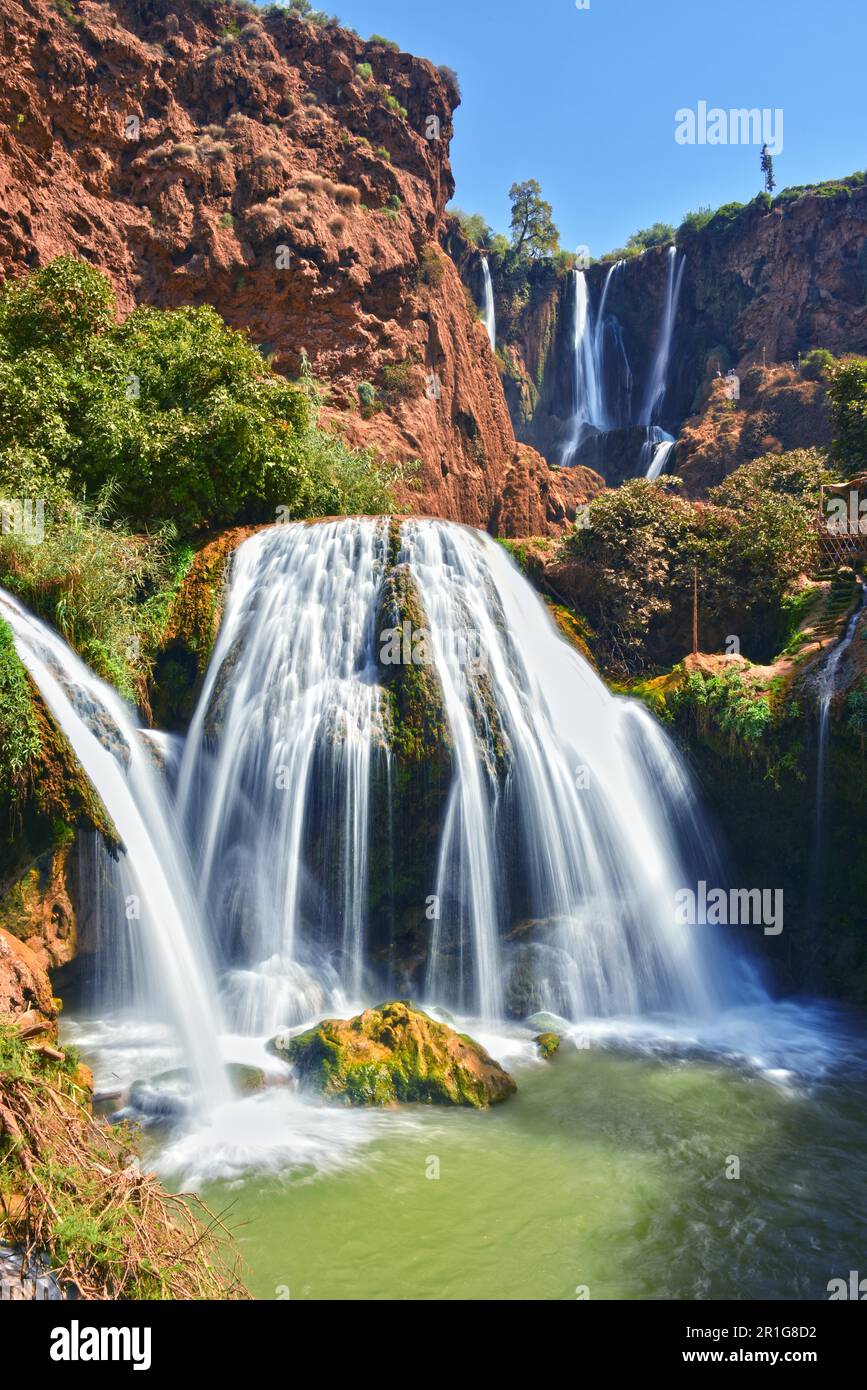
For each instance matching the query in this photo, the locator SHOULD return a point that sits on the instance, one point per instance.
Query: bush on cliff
(180, 413)
(637, 560)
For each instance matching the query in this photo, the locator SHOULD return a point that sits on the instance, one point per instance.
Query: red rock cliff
(296, 178)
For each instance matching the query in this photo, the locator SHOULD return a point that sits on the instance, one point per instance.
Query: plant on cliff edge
(534, 234)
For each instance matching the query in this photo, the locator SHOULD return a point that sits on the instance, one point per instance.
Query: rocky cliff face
(296, 178)
(760, 285)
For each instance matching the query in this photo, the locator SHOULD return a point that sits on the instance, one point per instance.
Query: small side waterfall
(490, 314)
(655, 452)
(827, 687)
(153, 871)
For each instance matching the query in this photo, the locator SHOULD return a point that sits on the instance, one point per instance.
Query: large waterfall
(565, 828)
(154, 899)
(559, 835)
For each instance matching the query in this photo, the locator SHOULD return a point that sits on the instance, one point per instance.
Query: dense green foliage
(639, 556)
(165, 424)
(180, 414)
(19, 732)
(847, 389)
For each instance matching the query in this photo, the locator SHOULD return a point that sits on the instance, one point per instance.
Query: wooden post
(695, 610)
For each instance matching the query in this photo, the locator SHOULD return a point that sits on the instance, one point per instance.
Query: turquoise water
(606, 1171)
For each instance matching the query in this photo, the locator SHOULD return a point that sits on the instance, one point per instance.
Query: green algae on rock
(395, 1053)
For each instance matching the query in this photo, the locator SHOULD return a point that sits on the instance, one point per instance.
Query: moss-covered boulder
(395, 1053)
(547, 1043)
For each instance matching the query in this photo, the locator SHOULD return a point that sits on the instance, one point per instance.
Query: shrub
(384, 43)
(19, 732)
(660, 234)
(693, 222)
(176, 412)
(391, 101)
(450, 78)
(815, 364)
(227, 220)
(367, 398)
(364, 72)
(400, 380)
(346, 196)
(431, 268)
(473, 226)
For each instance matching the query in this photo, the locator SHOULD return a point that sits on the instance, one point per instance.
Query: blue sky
(585, 100)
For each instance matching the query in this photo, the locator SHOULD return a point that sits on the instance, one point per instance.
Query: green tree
(847, 390)
(534, 234)
(178, 413)
(660, 234)
(768, 169)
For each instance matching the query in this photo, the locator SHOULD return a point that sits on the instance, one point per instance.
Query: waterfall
(658, 382)
(490, 314)
(588, 408)
(655, 452)
(153, 877)
(280, 749)
(560, 839)
(827, 686)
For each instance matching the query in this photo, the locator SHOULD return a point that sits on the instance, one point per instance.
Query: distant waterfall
(654, 454)
(658, 382)
(566, 806)
(153, 911)
(588, 406)
(490, 314)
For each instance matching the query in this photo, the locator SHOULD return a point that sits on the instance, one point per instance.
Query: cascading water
(657, 448)
(658, 383)
(152, 872)
(827, 686)
(588, 405)
(490, 314)
(280, 751)
(655, 451)
(281, 754)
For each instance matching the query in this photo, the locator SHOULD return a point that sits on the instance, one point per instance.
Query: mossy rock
(395, 1053)
(547, 1044)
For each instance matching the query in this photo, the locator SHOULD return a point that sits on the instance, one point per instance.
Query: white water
(658, 382)
(280, 750)
(827, 687)
(292, 691)
(490, 314)
(655, 452)
(588, 405)
(111, 748)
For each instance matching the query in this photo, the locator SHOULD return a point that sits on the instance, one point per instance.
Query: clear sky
(585, 100)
